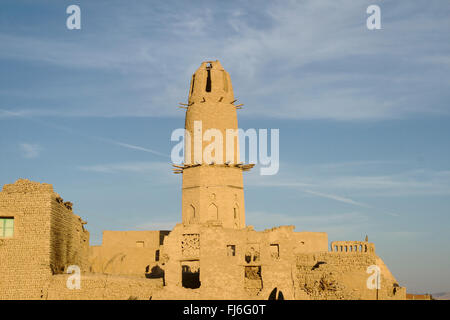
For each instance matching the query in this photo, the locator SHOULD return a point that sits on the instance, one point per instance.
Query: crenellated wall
(352, 246)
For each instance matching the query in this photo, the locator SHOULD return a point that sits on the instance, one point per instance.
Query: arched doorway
(276, 294)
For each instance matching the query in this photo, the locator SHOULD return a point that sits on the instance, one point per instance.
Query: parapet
(27, 186)
(353, 246)
(287, 228)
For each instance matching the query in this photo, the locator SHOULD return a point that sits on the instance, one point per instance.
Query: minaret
(213, 185)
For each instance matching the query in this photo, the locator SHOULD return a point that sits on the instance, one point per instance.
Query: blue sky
(364, 116)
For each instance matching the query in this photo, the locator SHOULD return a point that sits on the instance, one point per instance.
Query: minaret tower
(212, 189)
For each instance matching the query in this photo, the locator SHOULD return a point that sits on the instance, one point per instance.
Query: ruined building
(211, 254)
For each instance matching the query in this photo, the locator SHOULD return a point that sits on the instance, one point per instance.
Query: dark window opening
(208, 81)
(231, 250)
(251, 255)
(162, 235)
(190, 277)
(193, 82)
(273, 295)
(253, 273)
(157, 255)
(253, 282)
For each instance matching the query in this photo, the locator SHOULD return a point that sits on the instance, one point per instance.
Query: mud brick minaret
(213, 191)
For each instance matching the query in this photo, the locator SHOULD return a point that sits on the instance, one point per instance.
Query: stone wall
(352, 246)
(128, 253)
(69, 240)
(131, 239)
(102, 287)
(44, 242)
(339, 275)
(246, 264)
(195, 261)
(240, 264)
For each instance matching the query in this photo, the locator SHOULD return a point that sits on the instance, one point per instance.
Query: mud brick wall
(30, 257)
(262, 260)
(69, 240)
(127, 253)
(338, 275)
(25, 258)
(122, 260)
(103, 287)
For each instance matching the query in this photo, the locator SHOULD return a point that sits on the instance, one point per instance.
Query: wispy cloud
(337, 198)
(134, 147)
(31, 117)
(30, 151)
(363, 184)
(330, 179)
(130, 167)
(337, 223)
(287, 59)
(8, 113)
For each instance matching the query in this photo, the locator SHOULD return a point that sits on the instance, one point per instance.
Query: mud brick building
(211, 254)
(45, 238)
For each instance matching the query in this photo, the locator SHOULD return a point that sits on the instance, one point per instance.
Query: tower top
(211, 82)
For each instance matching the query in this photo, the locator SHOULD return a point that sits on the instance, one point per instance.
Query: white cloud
(30, 151)
(8, 114)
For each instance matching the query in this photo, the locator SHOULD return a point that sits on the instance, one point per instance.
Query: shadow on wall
(155, 273)
(190, 277)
